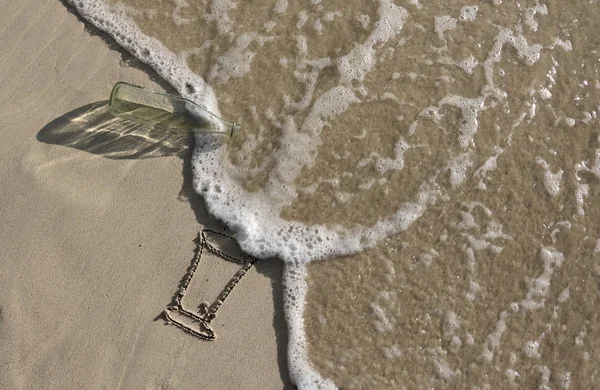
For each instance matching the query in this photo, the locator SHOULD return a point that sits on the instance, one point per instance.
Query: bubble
(531, 349)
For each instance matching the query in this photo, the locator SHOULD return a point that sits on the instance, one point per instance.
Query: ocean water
(441, 160)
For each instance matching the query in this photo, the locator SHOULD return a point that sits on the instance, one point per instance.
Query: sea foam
(255, 217)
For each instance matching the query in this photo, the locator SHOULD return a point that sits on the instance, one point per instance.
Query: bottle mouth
(235, 129)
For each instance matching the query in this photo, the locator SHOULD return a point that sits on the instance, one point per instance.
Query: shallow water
(458, 141)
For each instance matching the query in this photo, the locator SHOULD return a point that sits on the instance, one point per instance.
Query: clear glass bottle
(163, 110)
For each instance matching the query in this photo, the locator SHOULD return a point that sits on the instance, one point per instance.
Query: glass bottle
(163, 110)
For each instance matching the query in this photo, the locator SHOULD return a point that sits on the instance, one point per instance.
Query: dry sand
(94, 246)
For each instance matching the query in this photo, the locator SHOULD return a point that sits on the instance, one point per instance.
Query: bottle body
(167, 111)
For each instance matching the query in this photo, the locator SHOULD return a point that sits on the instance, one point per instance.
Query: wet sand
(497, 286)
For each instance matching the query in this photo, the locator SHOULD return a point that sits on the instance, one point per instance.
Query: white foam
(530, 13)
(219, 13)
(330, 16)
(511, 374)
(564, 295)
(566, 380)
(235, 62)
(361, 59)
(492, 342)
(593, 168)
(280, 6)
(551, 180)
(531, 349)
(222, 193)
(540, 286)
(545, 380)
(470, 108)
(301, 371)
(493, 231)
(450, 326)
(176, 15)
(469, 13)
(529, 53)
(565, 45)
(581, 192)
(468, 64)
(559, 226)
(318, 26)
(269, 25)
(364, 20)
(444, 23)
(256, 217)
(260, 230)
(545, 93)
(579, 340)
(415, 3)
(383, 322)
(488, 166)
(443, 369)
(302, 18)
(458, 169)
(582, 189)
(384, 164)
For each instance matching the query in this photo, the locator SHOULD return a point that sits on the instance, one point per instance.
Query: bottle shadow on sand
(93, 129)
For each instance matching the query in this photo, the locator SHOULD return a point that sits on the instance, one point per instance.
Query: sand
(495, 286)
(97, 233)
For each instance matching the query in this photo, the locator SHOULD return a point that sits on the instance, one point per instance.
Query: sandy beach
(428, 172)
(96, 236)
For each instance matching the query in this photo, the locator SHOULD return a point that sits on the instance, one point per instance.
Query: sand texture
(98, 228)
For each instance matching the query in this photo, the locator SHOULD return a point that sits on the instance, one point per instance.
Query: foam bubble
(564, 295)
(176, 15)
(551, 180)
(545, 93)
(219, 13)
(451, 323)
(511, 374)
(468, 64)
(565, 45)
(469, 13)
(566, 380)
(530, 13)
(492, 342)
(301, 371)
(531, 349)
(302, 18)
(443, 369)
(540, 286)
(280, 6)
(444, 23)
(235, 62)
(529, 53)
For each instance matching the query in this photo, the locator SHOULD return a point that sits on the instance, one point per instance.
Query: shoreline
(97, 242)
